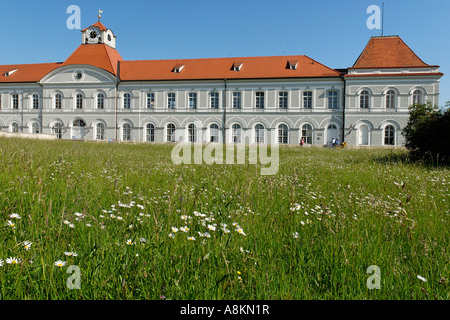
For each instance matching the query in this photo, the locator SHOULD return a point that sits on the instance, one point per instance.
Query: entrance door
(78, 130)
(363, 135)
(332, 132)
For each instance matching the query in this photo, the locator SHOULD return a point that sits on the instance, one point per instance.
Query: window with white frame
(236, 133)
(364, 98)
(214, 133)
(79, 101)
(259, 100)
(35, 101)
(100, 131)
(283, 134)
(237, 101)
(150, 100)
(15, 101)
(332, 99)
(126, 132)
(390, 99)
(14, 127)
(259, 133)
(192, 133)
(417, 97)
(307, 133)
(35, 128)
(214, 100)
(127, 101)
(57, 130)
(171, 102)
(389, 135)
(170, 134)
(283, 99)
(150, 132)
(192, 103)
(100, 101)
(307, 99)
(58, 101)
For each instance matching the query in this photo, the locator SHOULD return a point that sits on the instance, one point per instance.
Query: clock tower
(98, 33)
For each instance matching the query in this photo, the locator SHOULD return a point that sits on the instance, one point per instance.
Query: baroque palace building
(96, 95)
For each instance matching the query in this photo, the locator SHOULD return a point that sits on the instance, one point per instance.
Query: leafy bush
(427, 133)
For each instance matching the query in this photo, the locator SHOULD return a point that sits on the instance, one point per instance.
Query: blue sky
(330, 31)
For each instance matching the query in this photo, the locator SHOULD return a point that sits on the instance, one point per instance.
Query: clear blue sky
(330, 31)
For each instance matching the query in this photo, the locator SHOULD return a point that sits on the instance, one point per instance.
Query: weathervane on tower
(99, 15)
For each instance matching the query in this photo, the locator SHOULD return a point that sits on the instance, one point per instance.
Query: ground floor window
(389, 135)
(126, 132)
(100, 131)
(150, 133)
(307, 133)
(57, 130)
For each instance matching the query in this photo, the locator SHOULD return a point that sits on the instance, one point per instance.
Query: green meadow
(137, 226)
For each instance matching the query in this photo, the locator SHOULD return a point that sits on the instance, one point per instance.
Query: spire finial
(99, 15)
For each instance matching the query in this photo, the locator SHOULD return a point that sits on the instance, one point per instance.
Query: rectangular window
(214, 98)
(283, 100)
(259, 100)
(171, 100)
(150, 100)
(15, 101)
(192, 100)
(332, 99)
(307, 100)
(236, 100)
(58, 101)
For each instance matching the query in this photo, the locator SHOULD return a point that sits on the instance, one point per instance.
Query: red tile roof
(99, 55)
(26, 72)
(222, 68)
(98, 25)
(388, 52)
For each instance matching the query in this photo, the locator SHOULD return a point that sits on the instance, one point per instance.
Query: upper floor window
(214, 99)
(171, 100)
(390, 99)
(101, 101)
(58, 101)
(364, 99)
(332, 99)
(192, 100)
(15, 101)
(259, 100)
(236, 100)
(307, 99)
(283, 100)
(150, 100)
(127, 101)
(35, 99)
(417, 97)
(79, 101)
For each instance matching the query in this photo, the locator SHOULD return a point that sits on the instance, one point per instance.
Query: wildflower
(175, 230)
(142, 240)
(12, 260)
(27, 245)
(130, 242)
(11, 224)
(191, 239)
(15, 216)
(302, 222)
(421, 278)
(206, 234)
(297, 207)
(295, 234)
(171, 235)
(184, 229)
(60, 263)
(66, 222)
(1, 263)
(211, 227)
(183, 217)
(71, 254)
(71, 225)
(240, 231)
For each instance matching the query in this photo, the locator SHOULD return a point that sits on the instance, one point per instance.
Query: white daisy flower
(240, 231)
(2, 263)
(421, 278)
(211, 227)
(27, 245)
(11, 224)
(71, 254)
(129, 242)
(295, 235)
(12, 260)
(15, 216)
(142, 240)
(191, 238)
(174, 229)
(60, 263)
(171, 235)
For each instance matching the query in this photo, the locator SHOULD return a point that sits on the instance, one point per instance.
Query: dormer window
(178, 68)
(292, 64)
(7, 74)
(237, 66)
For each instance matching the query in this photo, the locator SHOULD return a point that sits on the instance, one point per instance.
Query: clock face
(93, 34)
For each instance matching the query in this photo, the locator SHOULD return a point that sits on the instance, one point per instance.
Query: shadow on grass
(406, 157)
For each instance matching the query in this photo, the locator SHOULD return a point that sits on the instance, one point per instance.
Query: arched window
(390, 99)
(364, 99)
(100, 131)
(417, 97)
(57, 130)
(79, 123)
(126, 132)
(170, 137)
(150, 132)
(214, 133)
(127, 101)
(35, 128)
(58, 101)
(35, 98)
(307, 133)
(79, 101)
(389, 135)
(100, 101)
(283, 133)
(14, 127)
(236, 133)
(259, 133)
(192, 133)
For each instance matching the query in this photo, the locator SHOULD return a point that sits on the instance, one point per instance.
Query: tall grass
(309, 232)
